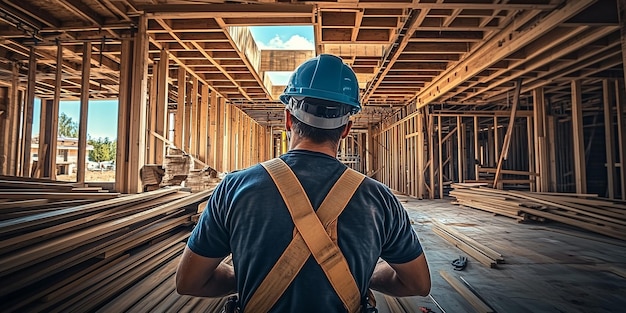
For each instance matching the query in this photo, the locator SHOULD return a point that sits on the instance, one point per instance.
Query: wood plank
(27, 129)
(162, 114)
(578, 138)
(478, 304)
(84, 113)
(179, 128)
(609, 141)
(509, 133)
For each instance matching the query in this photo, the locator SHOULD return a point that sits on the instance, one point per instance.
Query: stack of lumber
(584, 211)
(475, 249)
(116, 254)
(176, 165)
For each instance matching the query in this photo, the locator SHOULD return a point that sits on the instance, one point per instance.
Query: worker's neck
(297, 143)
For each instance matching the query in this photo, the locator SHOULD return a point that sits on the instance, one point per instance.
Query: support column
(459, 135)
(203, 129)
(179, 118)
(123, 121)
(621, 133)
(193, 119)
(609, 141)
(579, 139)
(161, 105)
(440, 146)
(10, 133)
(27, 133)
(531, 152)
(84, 112)
(227, 131)
(54, 120)
(46, 149)
(476, 149)
(212, 140)
(541, 151)
(152, 116)
(138, 105)
(420, 155)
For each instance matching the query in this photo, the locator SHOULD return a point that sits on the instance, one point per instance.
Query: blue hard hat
(324, 77)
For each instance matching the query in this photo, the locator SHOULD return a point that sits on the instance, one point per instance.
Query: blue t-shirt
(247, 217)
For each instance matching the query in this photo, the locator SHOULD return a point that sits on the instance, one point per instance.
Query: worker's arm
(402, 280)
(204, 277)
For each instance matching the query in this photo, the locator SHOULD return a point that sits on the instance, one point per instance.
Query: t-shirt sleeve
(210, 237)
(402, 244)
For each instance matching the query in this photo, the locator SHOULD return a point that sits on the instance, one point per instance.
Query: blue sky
(102, 116)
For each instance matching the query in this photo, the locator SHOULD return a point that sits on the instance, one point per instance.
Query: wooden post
(420, 155)
(193, 119)
(607, 99)
(476, 149)
(203, 129)
(431, 153)
(27, 133)
(138, 104)
(123, 120)
(496, 140)
(440, 146)
(84, 109)
(621, 133)
(227, 137)
(551, 146)
(539, 119)
(54, 120)
(152, 114)
(45, 149)
(10, 132)
(220, 134)
(212, 141)
(179, 127)
(578, 137)
(161, 105)
(459, 135)
(531, 152)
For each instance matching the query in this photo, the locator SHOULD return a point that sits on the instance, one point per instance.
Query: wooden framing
(541, 151)
(507, 136)
(202, 127)
(212, 136)
(28, 114)
(621, 133)
(179, 129)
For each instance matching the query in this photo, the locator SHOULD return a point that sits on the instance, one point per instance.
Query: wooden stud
(220, 134)
(212, 140)
(609, 141)
(551, 134)
(122, 157)
(460, 146)
(137, 134)
(193, 118)
(226, 143)
(476, 149)
(204, 120)
(531, 151)
(152, 113)
(431, 153)
(539, 134)
(84, 112)
(440, 163)
(179, 132)
(54, 120)
(161, 105)
(420, 155)
(578, 138)
(28, 114)
(621, 135)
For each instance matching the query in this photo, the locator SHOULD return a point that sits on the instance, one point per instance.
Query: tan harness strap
(311, 227)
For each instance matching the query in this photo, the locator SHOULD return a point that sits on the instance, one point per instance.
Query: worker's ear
(346, 130)
(287, 120)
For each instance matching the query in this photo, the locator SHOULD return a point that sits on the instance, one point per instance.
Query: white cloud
(296, 42)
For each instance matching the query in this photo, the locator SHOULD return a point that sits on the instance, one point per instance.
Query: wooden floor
(549, 267)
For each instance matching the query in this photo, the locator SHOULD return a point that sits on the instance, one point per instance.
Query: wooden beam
(152, 119)
(234, 10)
(541, 152)
(497, 48)
(531, 151)
(440, 163)
(28, 114)
(609, 140)
(476, 148)
(84, 112)
(77, 7)
(509, 133)
(10, 135)
(578, 135)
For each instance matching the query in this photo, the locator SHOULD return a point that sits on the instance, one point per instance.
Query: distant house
(67, 153)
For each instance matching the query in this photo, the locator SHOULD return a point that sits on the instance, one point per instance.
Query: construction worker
(259, 213)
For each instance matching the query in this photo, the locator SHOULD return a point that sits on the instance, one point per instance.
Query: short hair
(317, 135)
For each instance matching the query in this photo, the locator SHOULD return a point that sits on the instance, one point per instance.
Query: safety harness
(311, 236)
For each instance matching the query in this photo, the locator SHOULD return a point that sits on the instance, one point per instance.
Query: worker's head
(321, 95)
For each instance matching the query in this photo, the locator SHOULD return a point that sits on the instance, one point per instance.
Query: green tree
(103, 149)
(67, 127)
